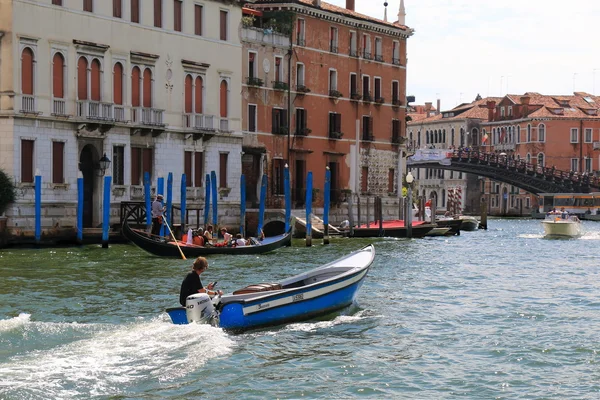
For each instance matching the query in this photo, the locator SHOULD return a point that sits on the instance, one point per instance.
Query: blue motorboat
(308, 295)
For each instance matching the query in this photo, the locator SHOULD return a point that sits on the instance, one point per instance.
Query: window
(198, 19)
(300, 75)
(528, 133)
(301, 118)
(27, 161)
(141, 162)
(502, 111)
(367, 128)
(518, 134)
(378, 95)
(147, 88)
(198, 168)
(88, 5)
(335, 125)
(366, 88)
(177, 23)
(279, 121)
(58, 76)
(95, 81)
(27, 74)
(332, 81)
(223, 25)
(364, 180)
(224, 93)
(300, 36)
(223, 170)
(396, 53)
(510, 111)
(378, 49)
(158, 13)
(278, 186)
(396, 130)
(188, 95)
(187, 167)
(588, 164)
(57, 2)
(252, 65)
(366, 47)
(574, 164)
(199, 95)
(118, 83)
(118, 164)
(353, 45)
(252, 117)
(353, 85)
(541, 133)
(396, 93)
(391, 180)
(136, 77)
(541, 160)
(193, 168)
(82, 83)
(574, 135)
(135, 11)
(278, 69)
(588, 135)
(117, 8)
(333, 39)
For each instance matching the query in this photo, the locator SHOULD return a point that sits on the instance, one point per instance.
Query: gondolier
(157, 214)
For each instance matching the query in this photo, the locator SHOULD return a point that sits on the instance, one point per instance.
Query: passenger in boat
(157, 210)
(192, 284)
(208, 235)
(226, 235)
(239, 240)
(563, 213)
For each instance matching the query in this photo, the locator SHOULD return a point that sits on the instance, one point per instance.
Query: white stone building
(153, 84)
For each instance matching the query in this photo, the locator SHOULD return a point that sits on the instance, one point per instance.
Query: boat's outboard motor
(199, 308)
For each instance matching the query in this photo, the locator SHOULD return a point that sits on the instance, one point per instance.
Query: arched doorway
(87, 161)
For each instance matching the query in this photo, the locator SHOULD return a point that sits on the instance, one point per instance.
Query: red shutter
(58, 79)
(198, 19)
(27, 71)
(147, 88)
(198, 169)
(187, 167)
(198, 89)
(147, 156)
(88, 5)
(223, 96)
(82, 65)
(117, 8)
(364, 179)
(135, 87)
(223, 170)
(177, 15)
(158, 13)
(57, 2)
(135, 165)
(188, 93)
(118, 84)
(27, 160)
(95, 78)
(58, 151)
(135, 11)
(223, 25)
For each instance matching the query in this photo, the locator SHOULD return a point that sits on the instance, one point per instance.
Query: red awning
(250, 11)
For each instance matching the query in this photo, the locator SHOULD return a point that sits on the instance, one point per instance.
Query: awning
(250, 11)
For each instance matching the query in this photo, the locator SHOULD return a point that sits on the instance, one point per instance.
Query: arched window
(147, 88)
(444, 136)
(475, 136)
(462, 137)
(528, 158)
(541, 159)
(199, 88)
(541, 133)
(426, 137)
(118, 84)
(188, 93)
(82, 82)
(419, 139)
(224, 99)
(58, 76)
(136, 99)
(27, 81)
(528, 133)
(519, 134)
(443, 197)
(494, 138)
(96, 91)
(452, 137)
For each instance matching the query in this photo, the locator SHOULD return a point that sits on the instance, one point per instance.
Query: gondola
(391, 228)
(167, 248)
(311, 294)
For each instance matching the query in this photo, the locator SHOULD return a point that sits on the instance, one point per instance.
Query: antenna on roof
(385, 4)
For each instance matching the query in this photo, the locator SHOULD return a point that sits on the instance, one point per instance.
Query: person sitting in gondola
(208, 235)
(227, 237)
(192, 284)
(239, 241)
(195, 239)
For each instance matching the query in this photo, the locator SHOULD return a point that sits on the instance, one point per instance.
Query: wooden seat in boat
(261, 287)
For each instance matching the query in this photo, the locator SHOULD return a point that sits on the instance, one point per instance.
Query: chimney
(491, 105)
(350, 5)
(428, 109)
(525, 105)
(316, 3)
(525, 100)
(439, 105)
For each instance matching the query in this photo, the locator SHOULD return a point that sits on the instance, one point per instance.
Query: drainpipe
(580, 147)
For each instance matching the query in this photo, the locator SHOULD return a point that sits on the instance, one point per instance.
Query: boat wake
(107, 359)
(339, 320)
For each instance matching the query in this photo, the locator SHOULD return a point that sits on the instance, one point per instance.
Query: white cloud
(464, 47)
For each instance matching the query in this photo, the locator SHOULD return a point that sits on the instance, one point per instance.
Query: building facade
(325, 87)
(153, 85)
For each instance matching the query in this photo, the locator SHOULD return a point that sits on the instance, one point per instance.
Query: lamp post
(103, 165)
(408, 220)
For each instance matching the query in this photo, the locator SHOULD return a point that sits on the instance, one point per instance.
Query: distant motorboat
(557, 225)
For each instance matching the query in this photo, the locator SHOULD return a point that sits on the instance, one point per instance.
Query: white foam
(339, 320)
(113, 358)
(14, 323)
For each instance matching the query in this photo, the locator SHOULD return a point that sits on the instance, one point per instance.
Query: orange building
(324, 86)
(560, 131)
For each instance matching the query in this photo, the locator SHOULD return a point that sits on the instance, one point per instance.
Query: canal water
(497, 314)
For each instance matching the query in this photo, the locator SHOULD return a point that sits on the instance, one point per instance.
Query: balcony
(333, 48)
(301, 89)
(378, 57)
(28, 105)
(367, 55)
(279, 85)
(397, 139)
(335, 94)
(396, 102)
(252, 81)
(59, 108)
(147, 116)
(353, 53)
(224, 125)
(280, 130)
(119, 113)
(379, 100)
(199, 121)
(335, 135)
(95, 110)
(355, 96)
(367, 97)
(265, 37)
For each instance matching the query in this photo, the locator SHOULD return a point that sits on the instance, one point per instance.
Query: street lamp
(408, 220)
(103, 165)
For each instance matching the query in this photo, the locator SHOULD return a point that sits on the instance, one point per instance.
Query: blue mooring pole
(243, 205)
(38, 207)
(183, 202)
(309, 187)
(326, 199)
(207, 200)
(170, 200)
(147, 200)
(106, 212)
(79, 208)
(215, 202)
(160, 189)
(263, 200)
(288, 198)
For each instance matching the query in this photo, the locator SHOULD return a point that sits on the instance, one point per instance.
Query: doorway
(299, 183)
(87, 161)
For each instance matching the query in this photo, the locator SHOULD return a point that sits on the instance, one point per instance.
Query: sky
(461, 48)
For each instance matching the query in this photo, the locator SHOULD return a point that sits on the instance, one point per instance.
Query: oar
(173, 236)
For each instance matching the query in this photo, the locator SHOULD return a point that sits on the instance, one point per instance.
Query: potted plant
(335, 94)
(302, 89)
(224, 192)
